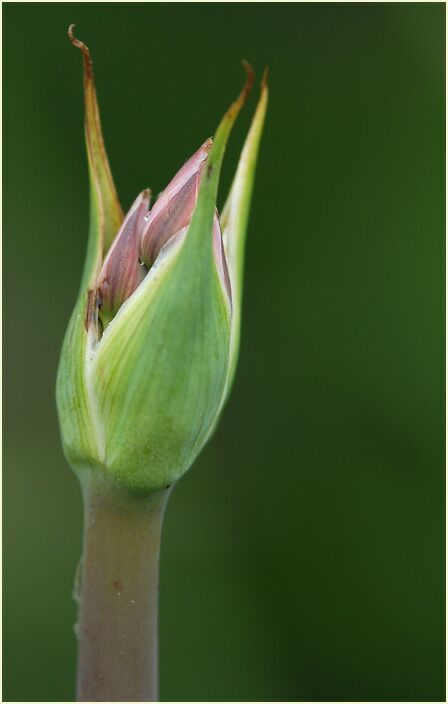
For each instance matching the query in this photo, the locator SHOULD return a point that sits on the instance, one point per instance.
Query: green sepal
(76, 414)
(234, 221)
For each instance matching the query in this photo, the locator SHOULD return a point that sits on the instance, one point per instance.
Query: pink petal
(174, 208)
(122, 272)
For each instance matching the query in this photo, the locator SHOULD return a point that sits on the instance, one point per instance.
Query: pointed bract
(106, 213)
(235, 218)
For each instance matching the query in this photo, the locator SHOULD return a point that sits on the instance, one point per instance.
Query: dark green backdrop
(303, 554)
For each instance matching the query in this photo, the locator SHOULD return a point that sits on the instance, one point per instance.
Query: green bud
(151, 347)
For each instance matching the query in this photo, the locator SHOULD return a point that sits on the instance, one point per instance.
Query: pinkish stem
(118, 620)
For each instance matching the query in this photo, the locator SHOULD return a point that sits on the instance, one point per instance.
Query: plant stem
(118, 621)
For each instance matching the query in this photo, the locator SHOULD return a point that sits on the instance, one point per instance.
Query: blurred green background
(303, 555)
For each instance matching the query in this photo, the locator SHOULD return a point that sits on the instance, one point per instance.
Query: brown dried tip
(249, 79)
(234, 109)
(264, 80)
(88, 65)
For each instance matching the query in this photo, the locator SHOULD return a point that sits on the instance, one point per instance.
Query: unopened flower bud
(139, 395)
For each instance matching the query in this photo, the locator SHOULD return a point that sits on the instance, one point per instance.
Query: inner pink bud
(122, 272)
(174, 208)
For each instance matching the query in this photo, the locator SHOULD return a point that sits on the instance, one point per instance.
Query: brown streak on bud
(91, 303)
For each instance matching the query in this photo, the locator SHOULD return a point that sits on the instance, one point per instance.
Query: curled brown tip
(80, 45)
(264, 80)
(234, 109)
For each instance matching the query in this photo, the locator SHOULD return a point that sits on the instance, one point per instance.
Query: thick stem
(118, 623)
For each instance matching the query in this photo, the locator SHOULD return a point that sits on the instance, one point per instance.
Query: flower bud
(139, 395)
